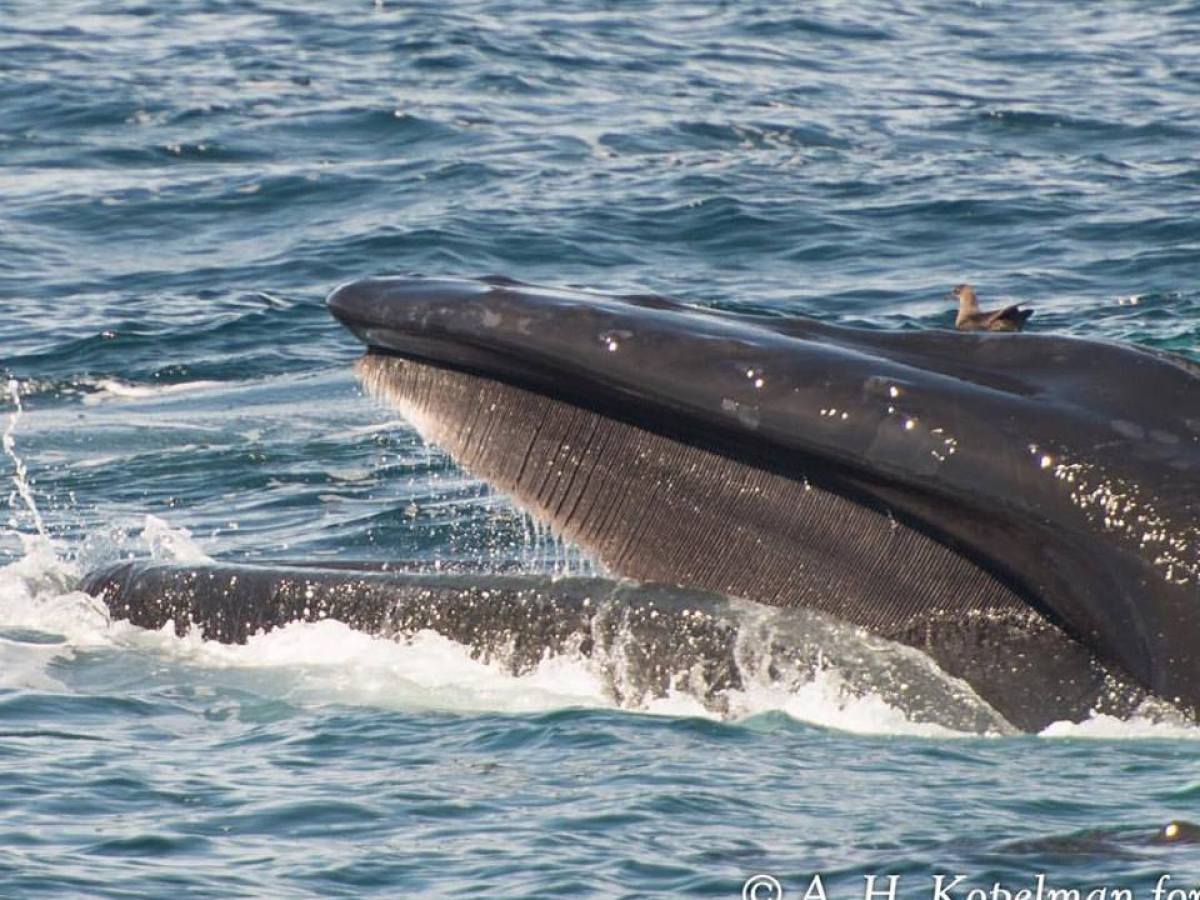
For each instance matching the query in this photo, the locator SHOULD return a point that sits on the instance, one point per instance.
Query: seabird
(972, 318)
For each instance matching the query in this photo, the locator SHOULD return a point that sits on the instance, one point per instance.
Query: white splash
(20, 476)
(1152, 725)
(829, 701)
(168, 544)
(37, 591)
(329, 662)
(36, 595)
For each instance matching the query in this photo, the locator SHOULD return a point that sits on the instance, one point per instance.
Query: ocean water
(180, 186)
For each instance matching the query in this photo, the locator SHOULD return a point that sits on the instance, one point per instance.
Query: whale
(1022, 509)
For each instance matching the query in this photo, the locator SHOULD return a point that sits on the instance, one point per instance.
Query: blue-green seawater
(180, 186)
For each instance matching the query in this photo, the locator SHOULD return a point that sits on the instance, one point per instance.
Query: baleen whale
(1024, 509)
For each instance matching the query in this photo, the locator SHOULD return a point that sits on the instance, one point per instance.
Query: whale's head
(917, 483)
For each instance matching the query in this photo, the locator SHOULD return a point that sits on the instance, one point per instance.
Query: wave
(106, 389)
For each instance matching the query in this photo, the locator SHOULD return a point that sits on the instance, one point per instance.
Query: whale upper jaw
(961, 476)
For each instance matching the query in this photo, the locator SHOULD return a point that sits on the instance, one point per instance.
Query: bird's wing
(1010, 314)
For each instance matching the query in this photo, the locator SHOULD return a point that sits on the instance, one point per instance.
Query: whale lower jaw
(657, 509)
(642, 642)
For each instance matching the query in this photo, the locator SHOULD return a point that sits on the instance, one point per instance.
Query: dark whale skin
(1067, 470)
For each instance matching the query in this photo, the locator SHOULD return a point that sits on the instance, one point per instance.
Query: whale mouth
(870, 476)
(658, 509)
(943, 490)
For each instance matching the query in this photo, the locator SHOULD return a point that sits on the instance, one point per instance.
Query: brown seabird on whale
(972, 318)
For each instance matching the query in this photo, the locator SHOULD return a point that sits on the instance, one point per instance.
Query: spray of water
(21, 491)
